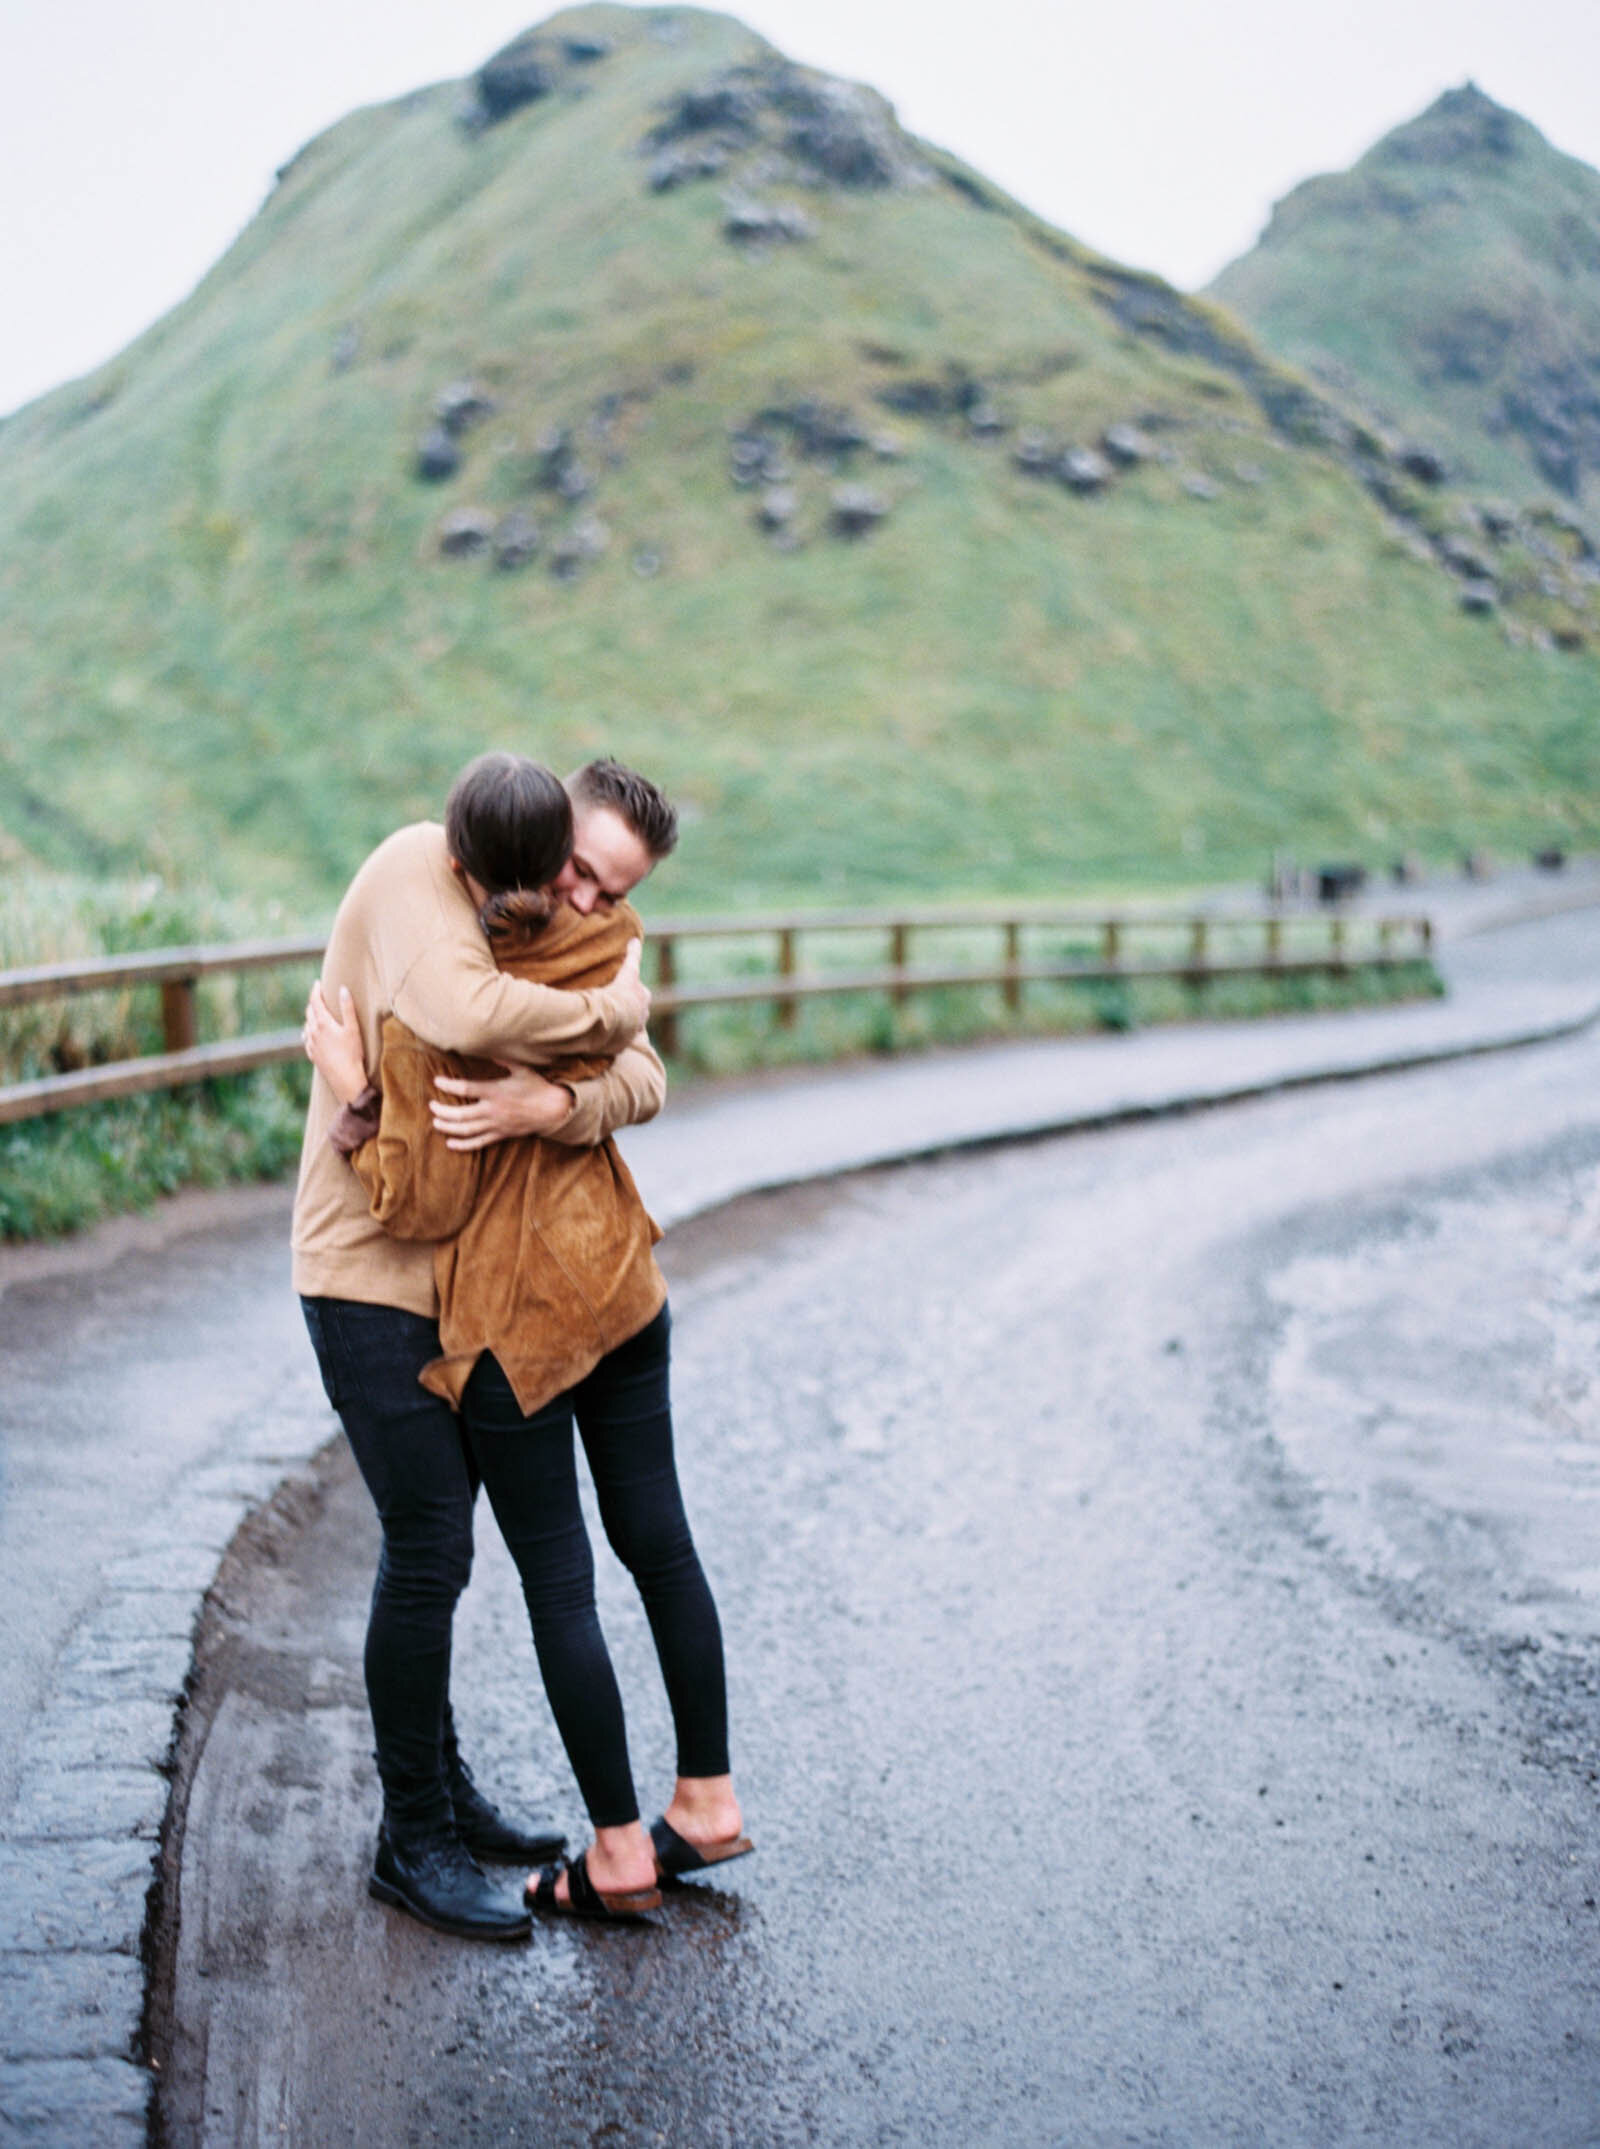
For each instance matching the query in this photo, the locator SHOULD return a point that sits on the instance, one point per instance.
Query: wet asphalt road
(1160, 1582)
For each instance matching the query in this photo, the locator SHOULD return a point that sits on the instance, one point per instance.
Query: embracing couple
(477, 1274)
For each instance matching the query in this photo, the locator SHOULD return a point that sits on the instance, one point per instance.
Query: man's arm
(580, 1113)
(453, 997)
(632, 1090)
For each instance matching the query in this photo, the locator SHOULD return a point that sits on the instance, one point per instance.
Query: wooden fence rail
(1194, 949)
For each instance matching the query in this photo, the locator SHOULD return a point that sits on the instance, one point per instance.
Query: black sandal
(584, 1899)
(676, 1855)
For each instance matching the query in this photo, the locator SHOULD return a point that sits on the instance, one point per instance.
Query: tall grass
(71, 1169)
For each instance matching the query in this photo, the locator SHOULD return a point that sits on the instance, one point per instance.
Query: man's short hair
(634, 799)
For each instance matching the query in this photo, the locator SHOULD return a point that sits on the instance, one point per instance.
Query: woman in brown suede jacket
(553, 1311)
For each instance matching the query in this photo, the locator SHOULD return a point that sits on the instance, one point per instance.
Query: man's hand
(333, 1043)
(521, 1101)
(628, 993)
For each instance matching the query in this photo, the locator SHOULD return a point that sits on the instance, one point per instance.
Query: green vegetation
(232, 655)
(734, 1040)
(1451, 280)
(68, 1171)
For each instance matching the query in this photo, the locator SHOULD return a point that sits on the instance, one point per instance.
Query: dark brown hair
(635, 800)
(509, 823)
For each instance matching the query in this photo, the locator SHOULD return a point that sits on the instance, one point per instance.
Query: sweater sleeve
(627, 1093)
(454, 997)
(417, 1187)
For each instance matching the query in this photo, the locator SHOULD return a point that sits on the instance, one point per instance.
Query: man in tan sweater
(407, 940)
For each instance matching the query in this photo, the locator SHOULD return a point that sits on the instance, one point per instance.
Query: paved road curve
(1161, 1577)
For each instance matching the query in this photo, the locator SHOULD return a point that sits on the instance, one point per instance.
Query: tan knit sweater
(407, 942)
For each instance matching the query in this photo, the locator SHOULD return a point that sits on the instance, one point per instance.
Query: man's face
(607, 860)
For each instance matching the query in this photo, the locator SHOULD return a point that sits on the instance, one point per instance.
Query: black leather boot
(434, 1878)
(485, 1830)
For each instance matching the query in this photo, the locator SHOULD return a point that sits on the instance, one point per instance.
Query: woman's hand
(333, 1044)
(521, 1101)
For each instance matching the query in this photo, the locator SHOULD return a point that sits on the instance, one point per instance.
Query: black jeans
(624, 1415)
(409, 1449)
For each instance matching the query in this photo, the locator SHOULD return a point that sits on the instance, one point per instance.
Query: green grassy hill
(690, 288)
(1451, 278)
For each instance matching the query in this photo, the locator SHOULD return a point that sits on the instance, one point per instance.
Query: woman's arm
(333, 1043)
(416, 1187)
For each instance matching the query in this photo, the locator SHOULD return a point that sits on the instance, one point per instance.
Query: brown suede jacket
(544, 1253)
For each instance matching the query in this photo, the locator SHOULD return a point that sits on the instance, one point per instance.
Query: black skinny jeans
(408, 1447)
(624, 1415)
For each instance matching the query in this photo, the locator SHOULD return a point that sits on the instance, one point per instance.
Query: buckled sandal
(676, 1855)
(584, 1899)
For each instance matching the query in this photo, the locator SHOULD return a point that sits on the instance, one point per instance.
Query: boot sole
(457, 1928)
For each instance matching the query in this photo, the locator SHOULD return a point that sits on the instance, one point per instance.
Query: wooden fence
(1192, 948)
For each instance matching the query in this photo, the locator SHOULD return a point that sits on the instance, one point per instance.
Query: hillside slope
(1451, 278)
(651, 394)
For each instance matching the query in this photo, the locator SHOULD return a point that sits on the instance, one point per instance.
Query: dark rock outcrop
(684, 162)
(1036, 454)
(578, 548)
(1422, 464)
(1126, 444)
(855, 509)
(516, 75)
(438, 457)
(460, 405)
(817, 430)
(532, 66)
(1462, 557)
(779, 506)
(749, 222)
(516, 540)
(728, 108)
(467, 531)
(1085, 470)
(826, 132)
(556, 466)
(957, 393)
(845, 134)
(755, 458)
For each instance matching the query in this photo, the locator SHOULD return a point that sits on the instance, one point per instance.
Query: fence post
(1113, 942)
(1274, 940)
(667, 976)
(899, 954)
(1013, 987)
(1336, 943)
(787, 1005)
(178, 1025)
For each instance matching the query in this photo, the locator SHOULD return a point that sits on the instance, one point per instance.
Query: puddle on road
(1441, 1391)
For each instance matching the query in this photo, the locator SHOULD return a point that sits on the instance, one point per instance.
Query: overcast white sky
(136, 139)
